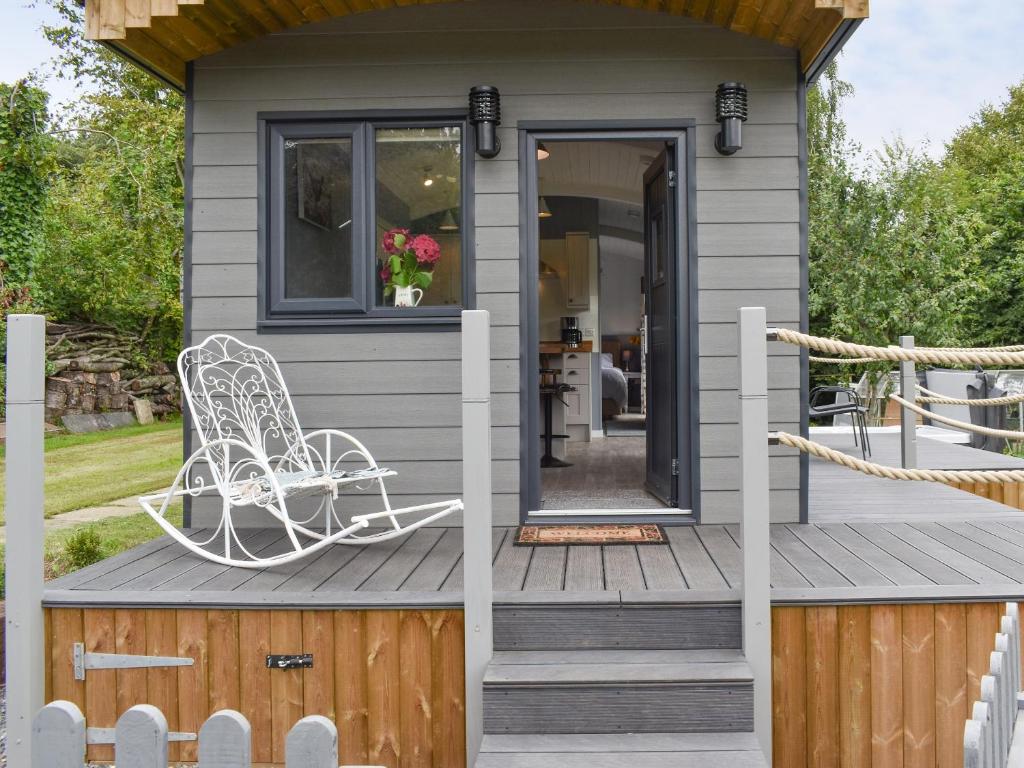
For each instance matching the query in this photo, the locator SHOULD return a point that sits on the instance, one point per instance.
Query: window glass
(318, 218)
(418, 201)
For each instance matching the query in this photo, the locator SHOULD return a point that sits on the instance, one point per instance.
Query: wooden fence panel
(391, 680)
(350, 689)
(950, 683)
(101, 685)
(822, 691)
(902, 677)
(789, 687)
(854, 686)
(919, 686)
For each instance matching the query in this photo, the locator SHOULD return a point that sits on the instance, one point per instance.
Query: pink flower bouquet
(407, 261)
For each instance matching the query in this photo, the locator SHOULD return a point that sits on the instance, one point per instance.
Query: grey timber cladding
(551, 60)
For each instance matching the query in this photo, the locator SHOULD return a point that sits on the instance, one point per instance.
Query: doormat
(560, 535)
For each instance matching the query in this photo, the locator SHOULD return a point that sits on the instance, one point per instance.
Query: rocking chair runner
(257, 457)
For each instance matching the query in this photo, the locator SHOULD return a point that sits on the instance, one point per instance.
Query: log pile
(94, 368)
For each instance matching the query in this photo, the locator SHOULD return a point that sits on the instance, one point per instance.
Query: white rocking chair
(258, 457)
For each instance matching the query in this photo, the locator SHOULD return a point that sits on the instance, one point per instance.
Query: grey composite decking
(838, 495)
(828, 562)
(868, 540)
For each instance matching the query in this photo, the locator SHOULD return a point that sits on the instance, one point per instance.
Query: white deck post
(908, 419)
(754, 515)
(26, 341)
(476, 519)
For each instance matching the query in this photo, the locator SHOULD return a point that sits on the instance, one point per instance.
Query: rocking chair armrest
(359, 447)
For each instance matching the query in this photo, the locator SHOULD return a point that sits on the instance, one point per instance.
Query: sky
(23, 47)
(921, 68)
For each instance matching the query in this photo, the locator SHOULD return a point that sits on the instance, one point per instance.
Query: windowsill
(362, 323)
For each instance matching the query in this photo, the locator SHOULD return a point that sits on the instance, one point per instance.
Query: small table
(548, 395)
(631, 377)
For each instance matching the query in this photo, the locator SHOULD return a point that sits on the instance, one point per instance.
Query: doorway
(606, 318)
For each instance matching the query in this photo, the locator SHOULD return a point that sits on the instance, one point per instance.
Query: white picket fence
(989, 734)
(60, 736)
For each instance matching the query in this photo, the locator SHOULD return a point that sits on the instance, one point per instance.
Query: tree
(891, 253)
(984, 166)
(114, 221)
(26, 165)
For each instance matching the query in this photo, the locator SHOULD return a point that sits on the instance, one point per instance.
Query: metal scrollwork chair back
(255, 456)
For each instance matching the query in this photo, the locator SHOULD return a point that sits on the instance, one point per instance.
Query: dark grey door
(661, 312)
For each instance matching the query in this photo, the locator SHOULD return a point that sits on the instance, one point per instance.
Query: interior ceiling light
(542, 151)
(427, 180)
(547, 271)
(543, 211)
(448, 223)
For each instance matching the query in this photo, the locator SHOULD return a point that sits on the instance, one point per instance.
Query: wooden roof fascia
(745, 16)
(163, 7)
(818, 37)
(137, 13)
(190, 29)
(150, 56)
(849, 9)
(770, 18)
(245, 25)
(722, 13)
(170, 34)
(210, 23)
(798, 13)
(286, 11)
(266, 18)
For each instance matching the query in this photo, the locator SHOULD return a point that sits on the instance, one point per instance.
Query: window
(334, 194)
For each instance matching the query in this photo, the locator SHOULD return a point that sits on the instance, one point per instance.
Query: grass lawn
(90, 470)
(96, 468)
(114, 534)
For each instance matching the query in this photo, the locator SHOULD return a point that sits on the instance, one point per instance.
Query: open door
(660, 314)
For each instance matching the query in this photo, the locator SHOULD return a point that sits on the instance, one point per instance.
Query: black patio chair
(854, 407)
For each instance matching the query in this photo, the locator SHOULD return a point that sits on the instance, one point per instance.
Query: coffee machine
(572, 336)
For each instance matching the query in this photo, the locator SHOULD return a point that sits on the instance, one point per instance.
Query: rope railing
(956, 423)
(936, 356)
(934, 398)
(1007, 348)
(896, 473)
(842, 360)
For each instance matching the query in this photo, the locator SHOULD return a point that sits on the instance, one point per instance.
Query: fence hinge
(83, 661)
(106, 736)
(675, 467)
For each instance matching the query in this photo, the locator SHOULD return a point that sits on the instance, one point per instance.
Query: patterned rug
(560, 535)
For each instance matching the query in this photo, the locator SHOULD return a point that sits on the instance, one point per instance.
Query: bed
(614, 390)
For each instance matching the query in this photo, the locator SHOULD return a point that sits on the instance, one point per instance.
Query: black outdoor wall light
(485, 116)
(731, 113)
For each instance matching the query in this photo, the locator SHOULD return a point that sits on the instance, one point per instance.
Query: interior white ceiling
(606, 170)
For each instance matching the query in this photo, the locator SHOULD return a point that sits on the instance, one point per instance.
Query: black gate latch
(290, 661)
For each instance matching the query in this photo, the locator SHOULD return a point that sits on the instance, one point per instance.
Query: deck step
(614, 692)
(648, 750)
(642, 626)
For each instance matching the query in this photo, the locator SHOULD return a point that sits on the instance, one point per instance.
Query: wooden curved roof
(163, 35)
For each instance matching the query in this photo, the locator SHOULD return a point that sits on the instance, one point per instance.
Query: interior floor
(626, 425)
(607, 473)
